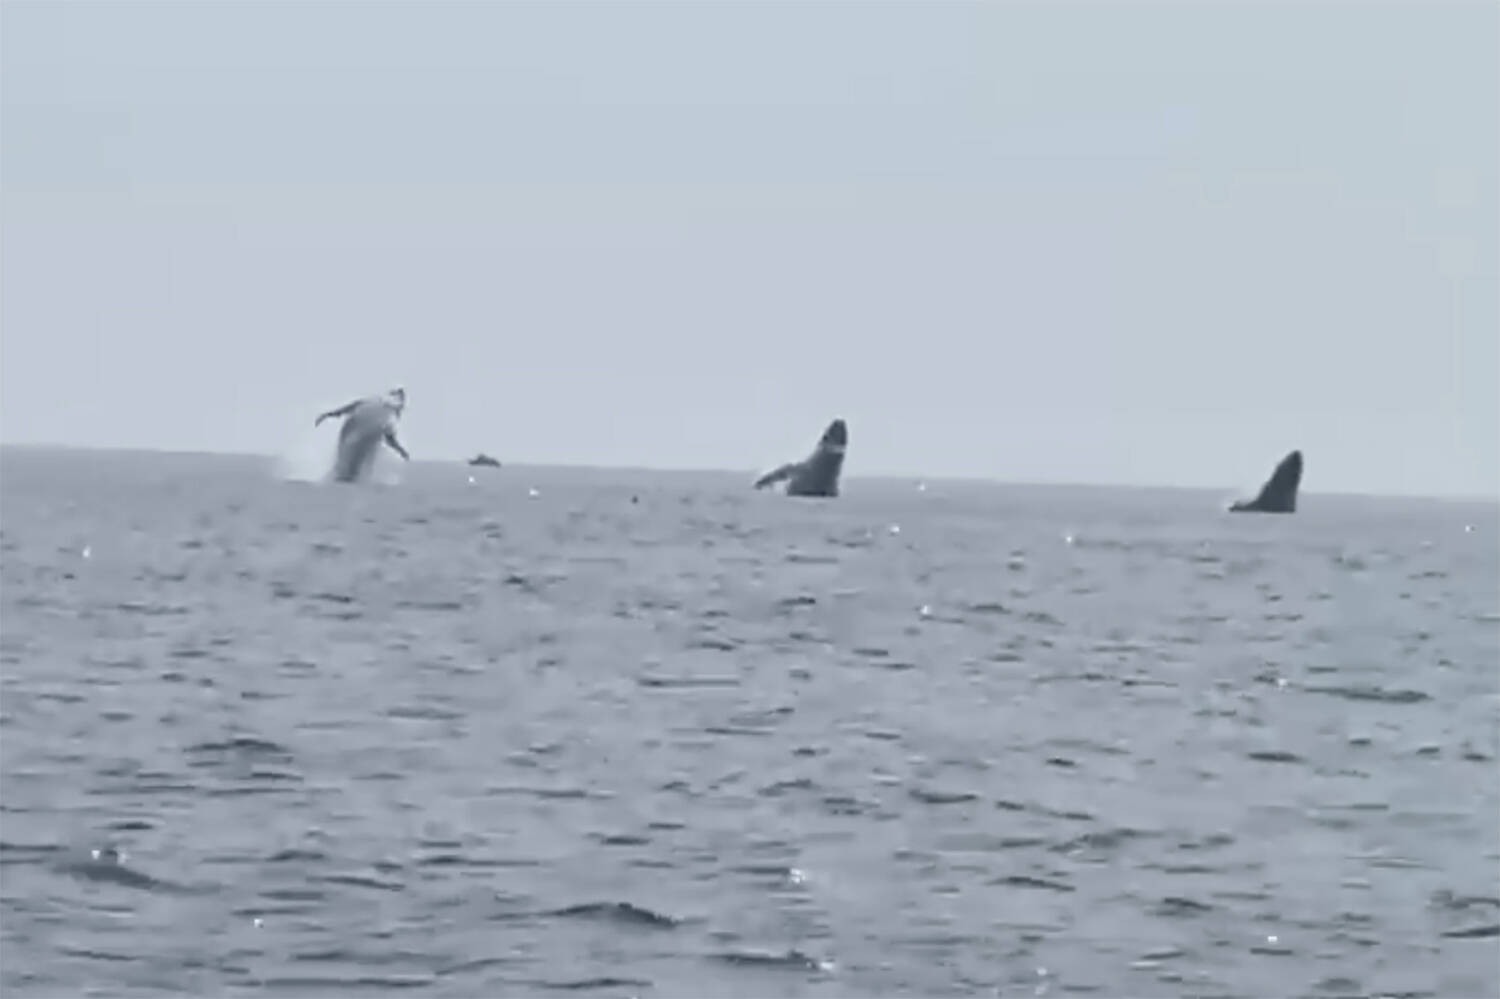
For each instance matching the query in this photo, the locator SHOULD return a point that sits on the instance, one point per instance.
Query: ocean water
(636, 734)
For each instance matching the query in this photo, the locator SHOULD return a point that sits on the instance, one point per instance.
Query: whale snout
(836, 436)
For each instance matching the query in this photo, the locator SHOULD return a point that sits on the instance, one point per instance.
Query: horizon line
(676, 470)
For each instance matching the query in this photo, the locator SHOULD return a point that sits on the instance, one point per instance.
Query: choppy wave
(617, 736)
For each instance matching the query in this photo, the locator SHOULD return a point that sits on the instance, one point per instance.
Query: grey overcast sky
(1112, 242)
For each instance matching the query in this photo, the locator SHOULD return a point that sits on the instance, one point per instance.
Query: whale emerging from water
(1279, 494)
(817, 474)
(367, 422)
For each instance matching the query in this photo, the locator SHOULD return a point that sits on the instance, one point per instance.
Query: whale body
(360, 437)
(818, 474)
(367, 422)
(1279, 494)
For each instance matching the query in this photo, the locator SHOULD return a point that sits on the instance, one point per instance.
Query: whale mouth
(836, 437)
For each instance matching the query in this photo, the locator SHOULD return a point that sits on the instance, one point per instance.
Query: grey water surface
(637, 734)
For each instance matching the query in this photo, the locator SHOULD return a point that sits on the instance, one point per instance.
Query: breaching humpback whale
(367, 422)
(818, 474)
(1279, 494)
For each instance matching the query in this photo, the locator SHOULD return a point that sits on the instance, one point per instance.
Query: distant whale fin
(777, 475)
(1279, 494)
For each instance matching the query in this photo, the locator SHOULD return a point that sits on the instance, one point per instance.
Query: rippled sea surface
(631, 734)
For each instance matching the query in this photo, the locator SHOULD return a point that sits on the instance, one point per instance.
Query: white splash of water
(388, 469)
(308, 459)
(311, 459)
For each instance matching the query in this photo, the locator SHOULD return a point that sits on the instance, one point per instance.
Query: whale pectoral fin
(390, 438)
(773, 477)
(332, 414)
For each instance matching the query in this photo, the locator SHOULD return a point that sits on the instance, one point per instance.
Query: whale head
(835, 438)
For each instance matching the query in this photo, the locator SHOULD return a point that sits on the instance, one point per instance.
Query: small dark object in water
(484, 460)
(1279, 494)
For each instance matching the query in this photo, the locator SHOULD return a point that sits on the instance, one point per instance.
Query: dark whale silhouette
(818, 473)
(1279, 494)
(484, 460)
